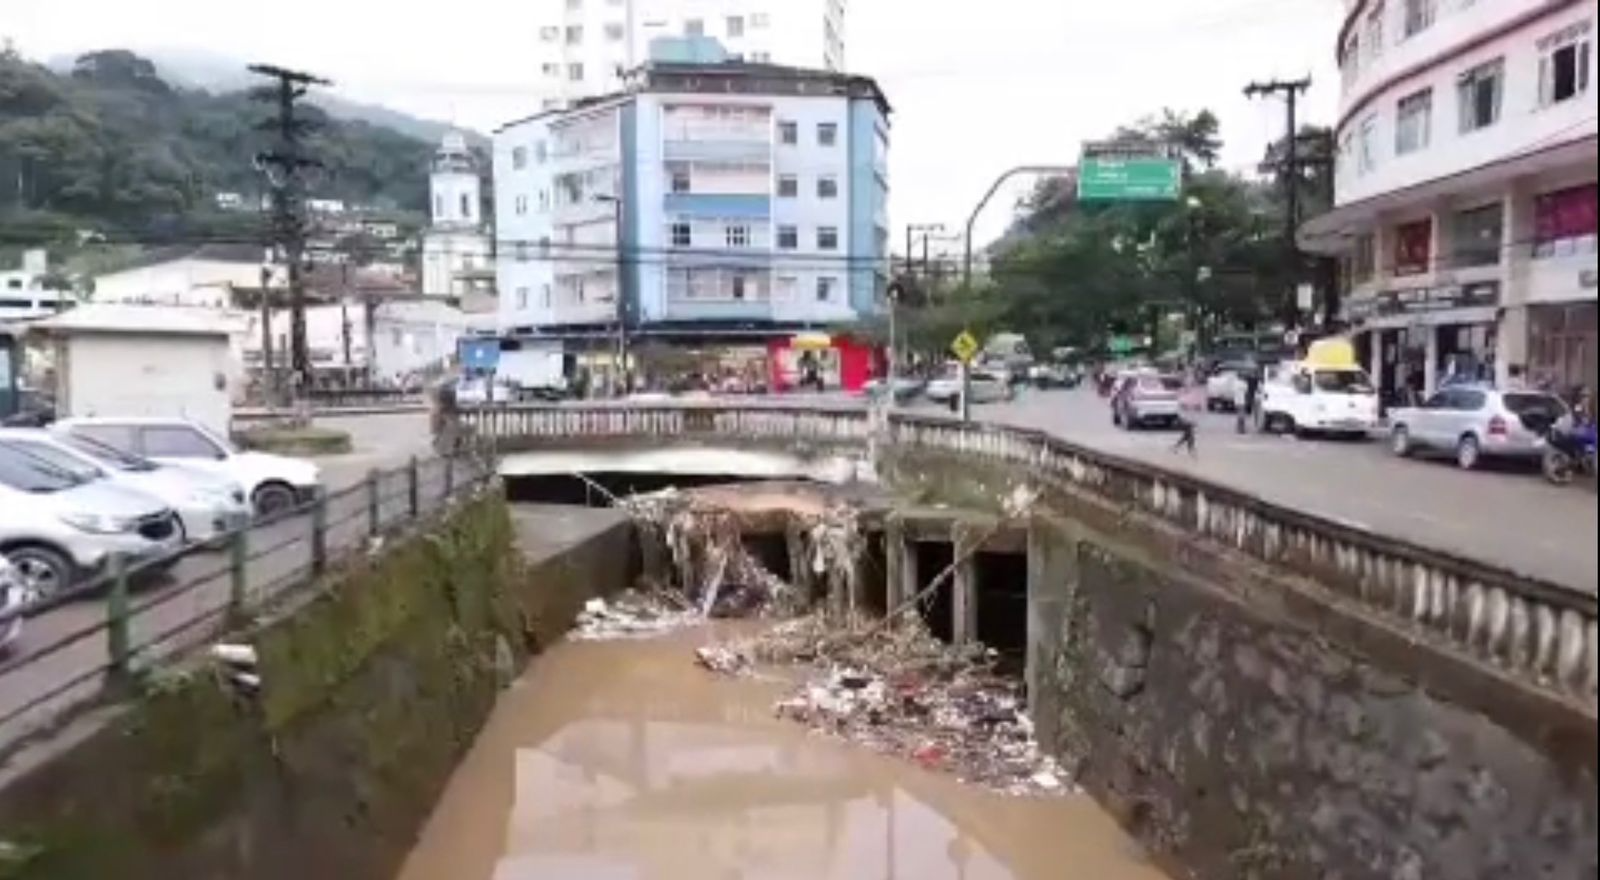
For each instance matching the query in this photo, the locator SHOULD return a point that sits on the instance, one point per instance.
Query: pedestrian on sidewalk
(1185, 436)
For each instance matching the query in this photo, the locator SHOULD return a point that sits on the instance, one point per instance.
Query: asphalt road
(1503, 515)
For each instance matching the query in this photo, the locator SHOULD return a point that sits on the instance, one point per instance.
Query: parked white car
(985, 387)
(1471, 423)
(274, 484)
(208, 506)
(57, 528)
(14, 594)
(1225, 386)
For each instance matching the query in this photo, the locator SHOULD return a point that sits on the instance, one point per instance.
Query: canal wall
(1246, 724)
(371, 688)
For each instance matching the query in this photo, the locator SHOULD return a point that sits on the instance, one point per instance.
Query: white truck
(534, 372)
(1323, 393)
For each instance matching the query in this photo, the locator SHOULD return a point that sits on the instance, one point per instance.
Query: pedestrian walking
(1185, 436)
(1246, 409)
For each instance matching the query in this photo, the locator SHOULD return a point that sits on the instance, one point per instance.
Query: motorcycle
(1568, 452)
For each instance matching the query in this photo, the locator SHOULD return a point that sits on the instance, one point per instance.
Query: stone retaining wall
(372, 689)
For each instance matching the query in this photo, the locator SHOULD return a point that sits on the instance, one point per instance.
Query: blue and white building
(710, 198)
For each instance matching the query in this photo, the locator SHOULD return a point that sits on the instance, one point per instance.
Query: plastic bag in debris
(900, 691)
(631, 615)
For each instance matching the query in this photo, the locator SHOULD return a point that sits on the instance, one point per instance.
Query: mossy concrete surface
(306, 441)
(372, 689)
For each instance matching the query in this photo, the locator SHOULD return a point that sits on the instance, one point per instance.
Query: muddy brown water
(625, 761)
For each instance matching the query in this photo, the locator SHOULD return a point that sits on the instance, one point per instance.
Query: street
(1502, 515)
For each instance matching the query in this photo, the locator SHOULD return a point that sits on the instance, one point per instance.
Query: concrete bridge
(1542, 635)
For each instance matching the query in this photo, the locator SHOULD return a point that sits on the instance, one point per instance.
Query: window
(1564, 65)
(788, 238)
(119, 437)
(786, 289)
(177, 441)
(438, 212)
(522, 298)
(761, 57)
(1350, 59)
(466, 207)
(1475, 236)
(694, 27)
(788, 186)
(788, 133)
(680, 180)
(827, 134)
(1413, 121)
(549, 34)
(1479, 91)
(615, 32)
(544, 200)
(574, 34)
(736, 235)
(575, 72)
(574, 5)
(1419, 15)
(682, 235)
(824, 289)
(522, 206)
(738, 286)
(1367, 145)
(827, 187)
(1413, 246)
(827, 238)
(758, 20)
(544, 296)
(1564, 222)
(519, 158)
(735, 25)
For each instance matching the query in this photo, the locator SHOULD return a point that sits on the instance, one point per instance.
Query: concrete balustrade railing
(1541, 633)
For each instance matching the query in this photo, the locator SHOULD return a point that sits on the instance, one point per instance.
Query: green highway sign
(1121, 179)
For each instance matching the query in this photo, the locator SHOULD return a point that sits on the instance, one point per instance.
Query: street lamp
(966, 269)
(622, 301)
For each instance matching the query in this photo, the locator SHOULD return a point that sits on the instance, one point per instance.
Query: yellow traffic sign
(964, 347)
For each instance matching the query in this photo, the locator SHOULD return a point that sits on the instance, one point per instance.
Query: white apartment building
(24, 294)
(738, 198)
(584, 48)
(1465, 209)
(456, 251)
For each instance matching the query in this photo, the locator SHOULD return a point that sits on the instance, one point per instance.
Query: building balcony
(743, 151)
(727, 206)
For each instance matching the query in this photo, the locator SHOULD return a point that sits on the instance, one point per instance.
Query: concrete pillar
(1430, 366)
(900, 564)
(1052, 583)
(1516, 255)
(1375, 357)
(964, 598)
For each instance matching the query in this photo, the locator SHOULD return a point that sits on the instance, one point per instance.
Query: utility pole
(269, 373)
(1291, 90)
(284, 166)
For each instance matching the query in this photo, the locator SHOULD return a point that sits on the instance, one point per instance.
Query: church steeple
(456, 189)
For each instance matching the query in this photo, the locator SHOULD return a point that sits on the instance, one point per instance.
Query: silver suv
(1472, 423)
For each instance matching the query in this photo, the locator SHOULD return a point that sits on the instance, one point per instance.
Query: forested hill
(110, 144)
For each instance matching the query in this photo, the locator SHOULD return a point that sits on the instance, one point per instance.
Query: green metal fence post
(119, 671)
(374, 512)
(238, 567)
(319, 535)
(413, 489)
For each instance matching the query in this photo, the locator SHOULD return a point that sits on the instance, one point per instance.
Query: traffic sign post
(965, 348)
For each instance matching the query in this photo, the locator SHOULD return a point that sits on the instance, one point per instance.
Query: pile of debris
(633, 615)
(900, 691)
(705, 544)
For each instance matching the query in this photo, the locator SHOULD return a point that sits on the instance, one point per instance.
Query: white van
(1324, 393)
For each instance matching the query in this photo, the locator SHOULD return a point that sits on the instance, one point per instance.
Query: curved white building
(1465, 206)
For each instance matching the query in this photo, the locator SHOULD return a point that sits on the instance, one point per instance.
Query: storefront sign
(1421, 300)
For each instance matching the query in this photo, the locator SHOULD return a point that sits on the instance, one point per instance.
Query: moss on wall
(371, 691)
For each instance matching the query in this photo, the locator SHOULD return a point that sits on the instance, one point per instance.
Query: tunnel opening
(1002, 587)
(769, 549)
(933, 558)
(569, 489)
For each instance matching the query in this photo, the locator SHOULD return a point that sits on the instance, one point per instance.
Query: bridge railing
(1539, 632)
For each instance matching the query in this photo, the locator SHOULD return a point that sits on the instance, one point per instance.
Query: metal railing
(1541, 633)
(89, 644)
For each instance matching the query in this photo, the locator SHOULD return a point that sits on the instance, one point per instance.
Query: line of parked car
(76, 494)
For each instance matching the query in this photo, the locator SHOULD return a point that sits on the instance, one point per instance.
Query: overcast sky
(977, 87)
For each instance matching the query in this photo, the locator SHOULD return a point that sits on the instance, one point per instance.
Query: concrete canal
(623, 759)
